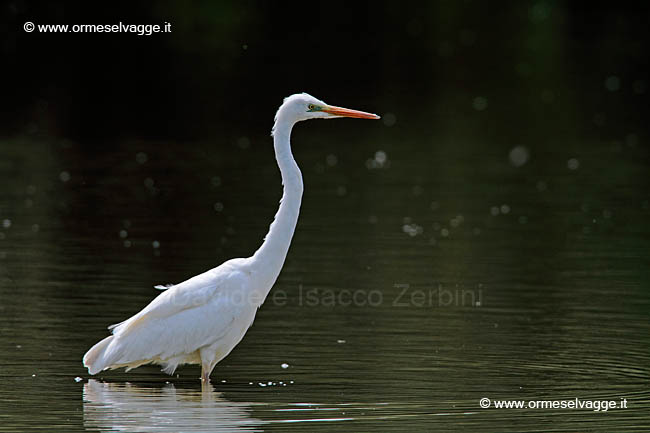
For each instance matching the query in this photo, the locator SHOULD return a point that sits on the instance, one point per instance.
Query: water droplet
(444, 232)
(519, 156)
(218, 206)
(123, 234)
(78, 379)
(412, 229)
(331, 160)
(341, 191)
(613, 83)
(127, 244)
(6, 223)
(494, 210)
(284, 365)
(540, 185)
(539, 12)
(389, 119)
(340, 341)
(64, 176)
(148, 182)
(573, 164)
(155, 244)
(141, 157)
(505, 209)
(380, 160)
(479, 103)
(215, 181)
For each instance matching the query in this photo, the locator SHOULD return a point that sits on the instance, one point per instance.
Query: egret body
(200, 320)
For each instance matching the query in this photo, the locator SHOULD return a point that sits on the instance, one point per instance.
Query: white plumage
(200, 320)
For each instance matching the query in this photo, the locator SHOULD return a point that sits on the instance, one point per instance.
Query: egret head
(302, 106)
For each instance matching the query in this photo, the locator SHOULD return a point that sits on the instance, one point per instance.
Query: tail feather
(95, 359)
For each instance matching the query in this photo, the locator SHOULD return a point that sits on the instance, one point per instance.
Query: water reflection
(135, 408)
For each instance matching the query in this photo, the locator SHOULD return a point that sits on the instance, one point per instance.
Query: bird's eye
(311, 107)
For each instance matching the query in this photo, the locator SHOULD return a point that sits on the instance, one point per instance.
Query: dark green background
(510, 168)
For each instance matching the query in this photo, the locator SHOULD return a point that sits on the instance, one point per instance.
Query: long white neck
(269, 258)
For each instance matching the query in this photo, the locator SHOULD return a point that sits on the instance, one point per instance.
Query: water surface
(420, 280)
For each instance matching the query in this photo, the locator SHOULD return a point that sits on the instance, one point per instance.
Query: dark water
(420, 280)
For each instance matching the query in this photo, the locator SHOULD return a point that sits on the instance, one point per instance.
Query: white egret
(200, 320)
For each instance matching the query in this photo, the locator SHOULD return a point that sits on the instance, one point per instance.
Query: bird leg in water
(205, 375)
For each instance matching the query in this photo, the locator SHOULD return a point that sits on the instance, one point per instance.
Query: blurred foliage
(533, 62)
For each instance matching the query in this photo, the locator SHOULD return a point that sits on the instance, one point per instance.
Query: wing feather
(192, 293)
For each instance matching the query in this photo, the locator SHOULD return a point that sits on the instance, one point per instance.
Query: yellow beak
(346, 112)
